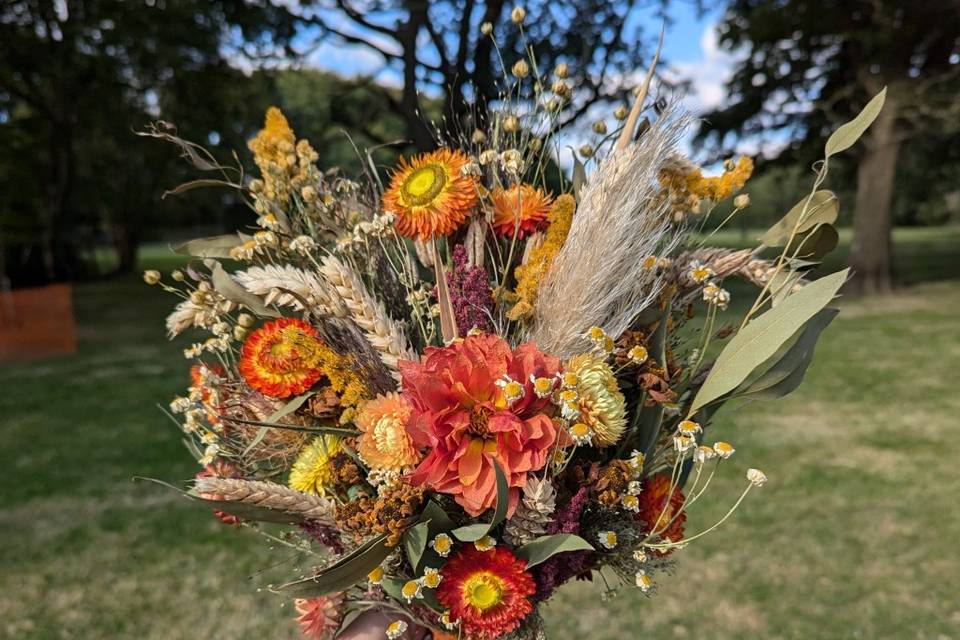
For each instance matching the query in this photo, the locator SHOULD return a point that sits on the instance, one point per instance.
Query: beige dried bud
(239, 333)
(536, 144)
(552, 105)
(520, 69)
(742, 201)
(245, 320)
(151, 276)
(600, 127)
(256, 186)
(561, 88)
(177, 275)
(562, 70)
(518, 15)
(586, 151)
(486, 28)
(511, 124)
(478, 137)
(621, 113)
(309, 194)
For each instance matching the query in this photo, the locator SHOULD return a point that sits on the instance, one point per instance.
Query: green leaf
(346, 572)
(821, 207)
(438, 518)
(787, 372)
(846, 135)
(760, 339)
(212, 247)
(415, 543)
(473, 532)
(815, 243)
(782, 284)
(545, 547)
(231, 290)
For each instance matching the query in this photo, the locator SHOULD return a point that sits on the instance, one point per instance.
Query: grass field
(854, 536)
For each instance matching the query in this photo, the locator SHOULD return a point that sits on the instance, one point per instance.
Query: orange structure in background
(36, 323)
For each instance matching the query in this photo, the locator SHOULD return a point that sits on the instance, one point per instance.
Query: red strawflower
(486, 591)
(474, 403)
(657, 514)
(320, 617)
(282, 358)
(220, 469)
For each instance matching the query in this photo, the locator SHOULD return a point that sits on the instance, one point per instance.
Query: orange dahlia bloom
(384, 442)
(656, 513)
(282, 358)
(486, 591)
(430, 196)
(520, 210)
(319, 617)
(473, 403)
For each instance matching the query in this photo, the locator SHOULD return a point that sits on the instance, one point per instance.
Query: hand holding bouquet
(452, 392)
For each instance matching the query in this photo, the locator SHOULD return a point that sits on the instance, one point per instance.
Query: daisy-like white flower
(640, 555)
(683, 443)
(485, 543)
(412, 590)
(699, 272)
(716, 295)
(630, 503)
(396, 629)
(704, 453)
(431, 578)
(581, 433)
(689, 428)
(608, 539)
(512, 390)
(636, 460)
(643, 581)
(542, 387)
(375, 577)
(442, 544)
(723, 449)
(756, 477)
(638, 354)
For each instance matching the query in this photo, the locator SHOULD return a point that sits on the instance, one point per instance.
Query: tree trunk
(870, 254)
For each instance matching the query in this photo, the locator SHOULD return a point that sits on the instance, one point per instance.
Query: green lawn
(854, 536)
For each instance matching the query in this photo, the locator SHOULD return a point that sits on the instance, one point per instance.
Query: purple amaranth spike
(561, 567)
(470, 294)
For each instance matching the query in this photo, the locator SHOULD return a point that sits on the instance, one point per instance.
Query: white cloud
(707, 73)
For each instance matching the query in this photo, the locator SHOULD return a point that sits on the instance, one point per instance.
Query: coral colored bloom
(487, 592)
(460, 414)
(384, 442)
(520, 210)
(657, 514)
(281, 358)
(430, 195)
(320, 617)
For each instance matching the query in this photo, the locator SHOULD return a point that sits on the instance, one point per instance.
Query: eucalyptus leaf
(763, 336)
(212, 247)
(346, 572)
(820, 206)
(415, 543)
(782, 284)
(815, 243)
(290, 406)
(473, 532)
(545, 547)
(230, 289)
(847, 134)
(786, 374)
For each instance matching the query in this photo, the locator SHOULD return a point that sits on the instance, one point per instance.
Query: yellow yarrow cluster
(685, 185)
(531, 274)
(344, 379)
(286, 165)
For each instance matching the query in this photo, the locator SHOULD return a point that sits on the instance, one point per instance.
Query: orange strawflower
(486, 592)
(430, 196)
(663, 517)
(282, 358)
(520, 210)
(320, 617)
(384, 442)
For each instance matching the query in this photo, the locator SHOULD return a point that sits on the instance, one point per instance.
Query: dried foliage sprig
(269, 495)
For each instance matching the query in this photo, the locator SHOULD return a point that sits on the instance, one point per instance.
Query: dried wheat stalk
(267, 494)
(383, 333)
(286, 286)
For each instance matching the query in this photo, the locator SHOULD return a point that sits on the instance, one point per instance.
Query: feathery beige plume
(382, 332)
(269, 495)
(286, 286)
(598, 277)
(534, 512)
